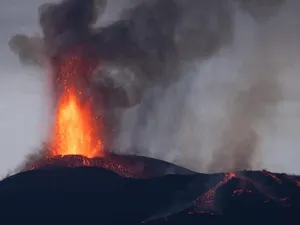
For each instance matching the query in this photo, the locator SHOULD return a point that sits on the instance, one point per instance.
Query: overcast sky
(24, 98)
(22, 90)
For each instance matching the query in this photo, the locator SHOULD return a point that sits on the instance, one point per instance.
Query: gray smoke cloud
(246, 111)
(163, 54)
(210, 130)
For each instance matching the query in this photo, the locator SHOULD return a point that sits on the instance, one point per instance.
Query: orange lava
(207, 199)
(75, 128)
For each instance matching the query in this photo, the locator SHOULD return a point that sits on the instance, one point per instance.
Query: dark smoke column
(118, 62)
(145, 48)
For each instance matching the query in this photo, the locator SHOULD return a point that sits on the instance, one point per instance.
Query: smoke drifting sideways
(195, 126)
(218, 116)
(158, 52)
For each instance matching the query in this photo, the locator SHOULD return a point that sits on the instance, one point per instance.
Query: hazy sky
(24, 98)
(22, 90)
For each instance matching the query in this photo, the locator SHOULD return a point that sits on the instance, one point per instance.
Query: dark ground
(241, 197)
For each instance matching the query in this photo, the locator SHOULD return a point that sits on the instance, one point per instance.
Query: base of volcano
(124, 165)
(56, 190)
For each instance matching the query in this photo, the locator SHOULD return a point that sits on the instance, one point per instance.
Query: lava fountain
(76, 129)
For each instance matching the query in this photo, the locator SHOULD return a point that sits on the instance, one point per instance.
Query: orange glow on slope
(75, 127)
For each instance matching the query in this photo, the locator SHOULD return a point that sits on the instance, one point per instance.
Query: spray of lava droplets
(76, 130)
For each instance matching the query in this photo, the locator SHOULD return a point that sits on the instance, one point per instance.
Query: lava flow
(76, 129)
(261, 187)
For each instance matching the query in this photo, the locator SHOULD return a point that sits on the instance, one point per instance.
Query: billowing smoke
(191, 123)
(211, 120)
(200, 77)
(147, 45)
(141, 41)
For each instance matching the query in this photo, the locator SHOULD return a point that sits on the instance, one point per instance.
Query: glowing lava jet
(76, 129)
(78, 138)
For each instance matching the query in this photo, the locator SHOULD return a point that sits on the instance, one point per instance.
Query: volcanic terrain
(95, 72)
(135, 190)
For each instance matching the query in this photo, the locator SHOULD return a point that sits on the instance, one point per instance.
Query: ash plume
(152, 37)
(148, 52)
(169, 122)
(246, 111)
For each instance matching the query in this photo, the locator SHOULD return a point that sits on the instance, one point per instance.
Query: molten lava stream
(75, 128)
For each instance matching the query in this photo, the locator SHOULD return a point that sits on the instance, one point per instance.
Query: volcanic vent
(76, 129)
(78, 137)
(76, 55)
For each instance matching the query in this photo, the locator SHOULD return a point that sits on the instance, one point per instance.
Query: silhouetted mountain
(55, 190)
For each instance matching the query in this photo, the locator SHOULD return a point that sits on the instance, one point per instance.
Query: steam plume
(167, 122)
(147, 53)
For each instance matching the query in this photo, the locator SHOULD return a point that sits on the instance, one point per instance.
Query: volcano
(117, 190)
(123, 165)
(95, 73)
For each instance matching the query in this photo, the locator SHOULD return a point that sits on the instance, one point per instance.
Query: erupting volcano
(76, 129)
(78, 136)
(95, 72)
